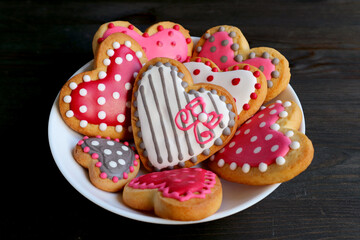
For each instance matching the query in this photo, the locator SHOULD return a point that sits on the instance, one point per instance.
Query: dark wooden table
(43, 43)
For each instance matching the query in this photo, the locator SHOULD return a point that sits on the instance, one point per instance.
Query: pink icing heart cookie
(164, 39)
(185, 194)
(244, 82)
(177, 123)
(267, 148)
(111, 163)
(227, 46)
(98, 102)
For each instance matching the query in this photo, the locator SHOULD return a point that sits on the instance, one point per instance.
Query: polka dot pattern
(103, 101)
(257, 144)
(115, 159)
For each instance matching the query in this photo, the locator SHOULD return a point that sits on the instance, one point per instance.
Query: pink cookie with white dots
(163, 39)
(266, 149)
(111, 163)
(98, 102)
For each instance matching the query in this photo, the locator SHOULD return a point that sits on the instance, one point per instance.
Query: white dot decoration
(83, 92)
(127, 86)
(280, 161)
(245, 168)
(67, 99)
(103, 126)
(107, 151)
(233, 166)
(86, 78)
(121, 118)
(231, 144)
(118, 128)
(101, 101)
(274, 148)
(73, 86)
(117, 77)
(116, 95)
(101, 115)
(101, 87)
(69, 114)
(128, 43)
(221, 163)
(118, 60)
(129, 57)
(263, 167)
(257, 150)
(113, 164)
(121, 162)
(110, 52)
(239, 150)
(83, 109)
(83, 123)
(295, 145)
(139, 54)
(116, 45)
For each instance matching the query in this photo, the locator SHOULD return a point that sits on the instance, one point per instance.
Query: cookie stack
(155, 100)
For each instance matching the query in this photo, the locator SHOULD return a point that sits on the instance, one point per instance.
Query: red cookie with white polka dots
(266, 149)
(98, 102)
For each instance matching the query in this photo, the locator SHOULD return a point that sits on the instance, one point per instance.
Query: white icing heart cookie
(176, 123)
(245, 83)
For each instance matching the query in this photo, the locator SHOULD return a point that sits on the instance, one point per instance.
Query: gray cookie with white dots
(111, 163)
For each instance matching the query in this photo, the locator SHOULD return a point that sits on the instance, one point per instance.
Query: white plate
(236, 197)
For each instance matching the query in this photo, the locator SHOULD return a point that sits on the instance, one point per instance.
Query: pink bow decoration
(209, 120)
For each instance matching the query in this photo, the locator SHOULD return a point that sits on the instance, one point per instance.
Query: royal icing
(181, 184)
(258, 142)
(167, 42)
(115, 160)
(165, 139)
(239, 83)
(190, 112)
(106, 101)
(220, 48)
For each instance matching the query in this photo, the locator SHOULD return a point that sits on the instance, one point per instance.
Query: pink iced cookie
(164, 39)
(181, 194)
(98, 102)
(226, 46)
(267, 148)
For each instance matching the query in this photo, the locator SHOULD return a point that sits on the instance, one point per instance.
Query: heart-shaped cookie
(164, 39)
(226, 46)
(267, 148)
(244, 82)
(111, 163)
(98, 102)
(179, 194)
(176, 123)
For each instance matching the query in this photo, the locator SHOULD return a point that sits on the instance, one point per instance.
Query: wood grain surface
(42, 43)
